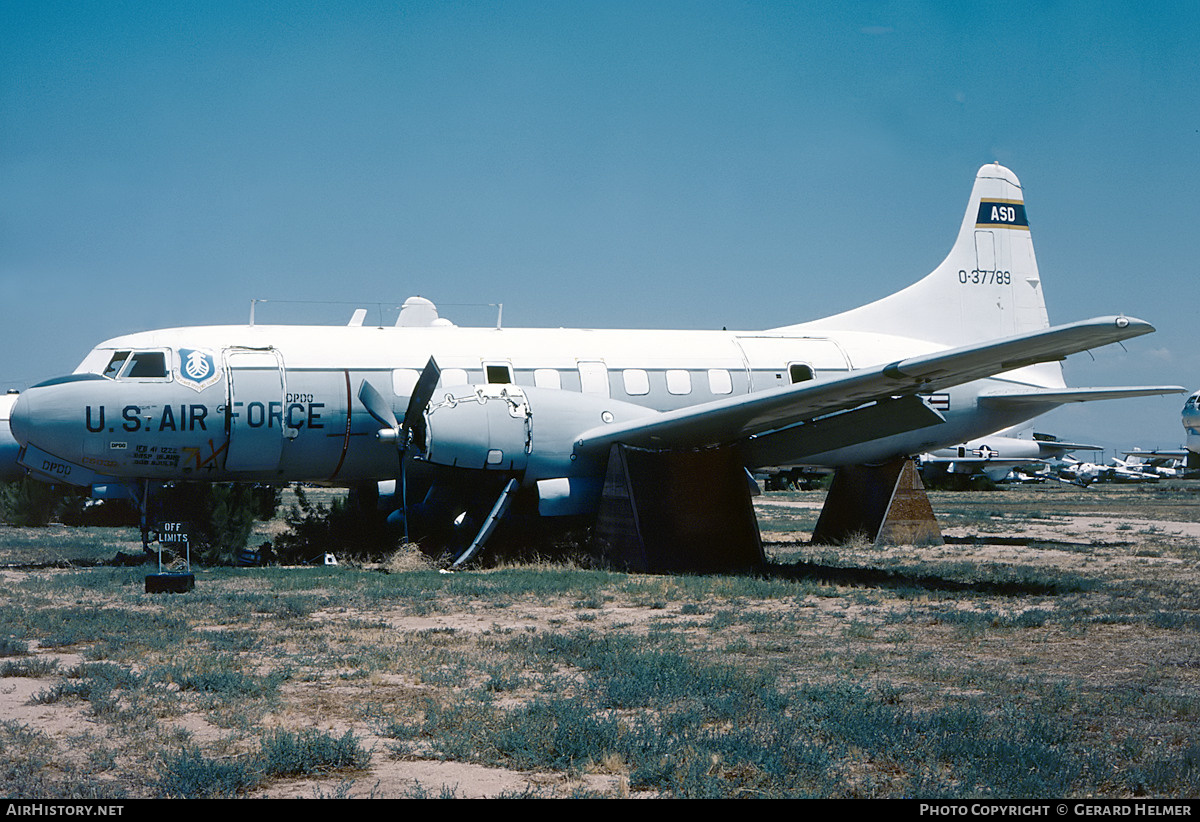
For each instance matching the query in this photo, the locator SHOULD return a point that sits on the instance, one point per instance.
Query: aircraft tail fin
(987, 287)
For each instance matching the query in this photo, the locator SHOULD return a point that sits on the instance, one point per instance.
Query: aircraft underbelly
(965, 420)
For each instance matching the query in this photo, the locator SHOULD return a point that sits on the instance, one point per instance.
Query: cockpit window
(147, 365)
(114, 365)
(137, 365)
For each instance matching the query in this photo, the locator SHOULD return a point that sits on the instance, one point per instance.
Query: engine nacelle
(517, 429)
(486, 427)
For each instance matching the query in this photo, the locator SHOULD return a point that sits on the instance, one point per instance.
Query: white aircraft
(1162, 464)
(1191, 425)
(1075, 472)
(9, 470)
(475, 420)
(996, 455)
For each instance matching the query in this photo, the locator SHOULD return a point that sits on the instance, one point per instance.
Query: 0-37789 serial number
(979, 276)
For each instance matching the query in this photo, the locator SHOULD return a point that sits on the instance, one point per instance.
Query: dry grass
(1049, 648)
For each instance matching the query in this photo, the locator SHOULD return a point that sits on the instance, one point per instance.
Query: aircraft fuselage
(279, 403)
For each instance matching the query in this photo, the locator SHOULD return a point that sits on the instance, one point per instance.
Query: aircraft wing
(1059, 447)
(880, 396)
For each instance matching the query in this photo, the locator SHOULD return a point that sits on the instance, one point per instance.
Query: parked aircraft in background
(1117, 470)
(1191, 426)
(9, 449)
(994, 456)
(1078, 472)
(1160, 463)
(468, 423)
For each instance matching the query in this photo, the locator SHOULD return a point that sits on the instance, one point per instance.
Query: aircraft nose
(18, 421)
(47, 416)
(9, 447)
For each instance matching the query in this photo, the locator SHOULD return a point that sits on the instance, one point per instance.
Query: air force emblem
(198, 369)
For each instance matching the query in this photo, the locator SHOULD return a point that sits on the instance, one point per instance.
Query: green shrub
(30, 667)
(345, 527)
(191, 775)
(285, 753)
(220, 516)
(28, 503)
(13, 647)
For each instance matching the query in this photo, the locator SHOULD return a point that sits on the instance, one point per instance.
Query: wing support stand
(886, 504)
(489, 524)
(678, 511)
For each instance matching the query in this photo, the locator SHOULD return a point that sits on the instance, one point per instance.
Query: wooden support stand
(671, 512)
(886, 504)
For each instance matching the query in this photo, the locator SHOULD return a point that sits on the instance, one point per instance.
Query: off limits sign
(175, 536)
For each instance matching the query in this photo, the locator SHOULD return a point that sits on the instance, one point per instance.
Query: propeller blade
(489, 524)
(414, 416)
(378, 407)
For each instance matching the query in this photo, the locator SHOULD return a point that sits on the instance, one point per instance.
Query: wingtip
(1133, 323)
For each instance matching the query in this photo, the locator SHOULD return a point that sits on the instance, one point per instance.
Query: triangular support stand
(678, 511)
(885, 504)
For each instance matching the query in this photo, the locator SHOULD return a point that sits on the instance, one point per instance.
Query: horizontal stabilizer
(1158, 453)
(1061, 396)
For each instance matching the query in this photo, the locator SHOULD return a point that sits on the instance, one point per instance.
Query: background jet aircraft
(995, 456)
(607, 426)
(1162, 464)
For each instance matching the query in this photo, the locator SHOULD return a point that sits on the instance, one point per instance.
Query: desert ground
(1051, 647)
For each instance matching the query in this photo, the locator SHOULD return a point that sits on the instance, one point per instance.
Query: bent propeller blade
(376, 405)
(414, 416)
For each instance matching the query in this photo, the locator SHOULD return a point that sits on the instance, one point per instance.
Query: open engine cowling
(517, 429)
(486, 427)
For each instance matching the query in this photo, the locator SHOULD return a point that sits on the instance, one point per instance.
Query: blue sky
(605, 164)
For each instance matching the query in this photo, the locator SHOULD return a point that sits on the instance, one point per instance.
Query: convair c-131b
(646, 434)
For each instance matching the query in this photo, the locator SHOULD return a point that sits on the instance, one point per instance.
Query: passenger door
(254, 409)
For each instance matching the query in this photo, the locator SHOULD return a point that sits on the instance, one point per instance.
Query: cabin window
(454, 376)
(719, 381)
(404, 380)
(679, 381)
(498, 373)
(800, 372)
(547, 378)
(593, 378)
(637, 382)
